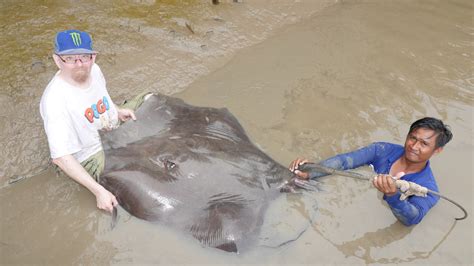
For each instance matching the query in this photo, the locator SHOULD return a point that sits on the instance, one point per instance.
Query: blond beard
(81, 76)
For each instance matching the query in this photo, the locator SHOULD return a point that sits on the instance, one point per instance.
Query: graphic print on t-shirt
(96, 110)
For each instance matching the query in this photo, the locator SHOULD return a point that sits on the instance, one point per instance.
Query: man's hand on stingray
(294, 168)
(105, 200)
(126, 114)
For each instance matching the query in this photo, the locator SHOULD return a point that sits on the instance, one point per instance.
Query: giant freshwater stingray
(193, 169)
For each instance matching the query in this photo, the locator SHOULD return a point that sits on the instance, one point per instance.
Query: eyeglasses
(72, 59)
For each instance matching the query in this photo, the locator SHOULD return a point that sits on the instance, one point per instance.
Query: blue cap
(73, 42)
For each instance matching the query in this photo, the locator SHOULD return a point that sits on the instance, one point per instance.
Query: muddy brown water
(343, 76)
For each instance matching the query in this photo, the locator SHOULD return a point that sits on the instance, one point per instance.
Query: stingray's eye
(169, 164)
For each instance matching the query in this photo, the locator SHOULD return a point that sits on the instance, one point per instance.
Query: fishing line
(313, 166)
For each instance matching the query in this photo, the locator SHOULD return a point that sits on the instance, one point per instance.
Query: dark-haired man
(426, 137)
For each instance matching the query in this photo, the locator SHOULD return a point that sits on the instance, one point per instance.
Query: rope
(406, 188)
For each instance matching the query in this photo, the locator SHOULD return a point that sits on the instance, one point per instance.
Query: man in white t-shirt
(74, 107)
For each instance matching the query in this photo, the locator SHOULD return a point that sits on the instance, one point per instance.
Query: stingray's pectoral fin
(223, 222)
(113, 222)
(140, 192)
(209, 232)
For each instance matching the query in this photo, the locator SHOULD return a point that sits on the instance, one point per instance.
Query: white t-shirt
(72, 116)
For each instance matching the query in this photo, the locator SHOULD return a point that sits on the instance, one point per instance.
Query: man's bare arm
(69, 164)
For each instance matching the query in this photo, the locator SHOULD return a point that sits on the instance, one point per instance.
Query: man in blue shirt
(425, 138)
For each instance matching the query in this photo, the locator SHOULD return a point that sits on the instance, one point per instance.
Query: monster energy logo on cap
(76, 38)
(73, 42)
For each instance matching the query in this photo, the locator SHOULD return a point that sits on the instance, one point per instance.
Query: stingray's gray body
(193, 169)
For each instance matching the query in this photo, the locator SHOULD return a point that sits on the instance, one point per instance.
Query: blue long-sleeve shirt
(381, 156)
